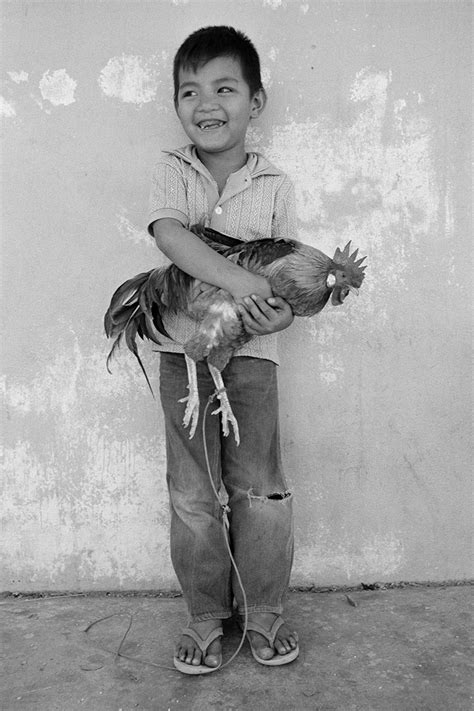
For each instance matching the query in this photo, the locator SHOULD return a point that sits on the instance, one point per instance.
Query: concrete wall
(369, 113)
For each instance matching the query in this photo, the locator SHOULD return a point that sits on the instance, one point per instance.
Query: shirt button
(218, 210)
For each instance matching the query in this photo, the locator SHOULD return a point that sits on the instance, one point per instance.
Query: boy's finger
(249, 319)
(251, 324)
(276, 302)
(257, 307)
(263, 305)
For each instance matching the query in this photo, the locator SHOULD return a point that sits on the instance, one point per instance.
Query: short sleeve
(284, 224)
(167, 195)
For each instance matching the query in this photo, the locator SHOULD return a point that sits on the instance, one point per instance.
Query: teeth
(206, 125)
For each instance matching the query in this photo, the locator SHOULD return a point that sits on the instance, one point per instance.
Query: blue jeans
(260, 518)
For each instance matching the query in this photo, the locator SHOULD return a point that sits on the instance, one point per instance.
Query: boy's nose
(208, 103)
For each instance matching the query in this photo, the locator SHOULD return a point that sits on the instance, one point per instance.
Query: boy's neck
(221, 165)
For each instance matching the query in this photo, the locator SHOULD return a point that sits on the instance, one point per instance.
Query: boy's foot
(188, 650)
(271, 639)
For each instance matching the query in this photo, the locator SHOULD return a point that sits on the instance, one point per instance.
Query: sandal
(203, 645)
(270, 635)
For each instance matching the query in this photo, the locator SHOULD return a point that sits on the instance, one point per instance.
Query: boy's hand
(262, 317)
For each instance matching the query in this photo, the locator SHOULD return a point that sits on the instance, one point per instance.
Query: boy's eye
(188, 93)
(225, 90)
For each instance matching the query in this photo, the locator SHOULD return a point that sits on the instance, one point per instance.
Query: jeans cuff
(218, 615)
(251, 609)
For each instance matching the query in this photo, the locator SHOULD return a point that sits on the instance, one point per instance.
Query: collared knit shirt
(258, 201)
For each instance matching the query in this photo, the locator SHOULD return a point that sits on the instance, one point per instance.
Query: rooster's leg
(225, 409)
(191, 414)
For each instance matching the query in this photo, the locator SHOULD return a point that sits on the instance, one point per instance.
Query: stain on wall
(129, 78)
(58, 87)
(368, 110)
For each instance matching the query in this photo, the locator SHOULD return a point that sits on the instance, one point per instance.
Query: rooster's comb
(348, 260)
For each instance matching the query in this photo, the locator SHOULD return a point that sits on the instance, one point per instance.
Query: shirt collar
(256, 164)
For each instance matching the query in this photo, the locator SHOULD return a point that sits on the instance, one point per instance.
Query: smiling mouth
(210, 125)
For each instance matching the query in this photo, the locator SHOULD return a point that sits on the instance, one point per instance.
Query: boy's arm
(194, 257)
(264, 317)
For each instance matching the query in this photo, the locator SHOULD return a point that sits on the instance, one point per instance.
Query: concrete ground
(393, 650)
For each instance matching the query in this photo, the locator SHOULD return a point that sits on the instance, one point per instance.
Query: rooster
(302, 275)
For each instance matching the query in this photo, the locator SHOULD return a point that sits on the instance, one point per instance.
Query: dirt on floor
(360, 650)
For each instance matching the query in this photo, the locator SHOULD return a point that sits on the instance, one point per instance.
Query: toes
(187, 652)
(197, 658)
(286, 643)
(293, 639)
(188, 655)
(212, 658)
(282, 646)
(265, 652)
(290, 642)
(261, 647)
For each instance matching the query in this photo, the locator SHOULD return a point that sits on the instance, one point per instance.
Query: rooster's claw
(191, 414)
(227, 416)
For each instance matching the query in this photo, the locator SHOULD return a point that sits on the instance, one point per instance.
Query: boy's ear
(258, 103)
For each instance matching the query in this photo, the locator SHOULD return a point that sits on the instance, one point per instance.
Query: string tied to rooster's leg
(216, 393)
(225, 516)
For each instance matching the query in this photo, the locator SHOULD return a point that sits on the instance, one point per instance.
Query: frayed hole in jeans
(277, 496)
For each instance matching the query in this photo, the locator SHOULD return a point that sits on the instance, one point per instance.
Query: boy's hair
(218, 41)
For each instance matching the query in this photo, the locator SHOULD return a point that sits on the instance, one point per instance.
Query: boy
(218, 90)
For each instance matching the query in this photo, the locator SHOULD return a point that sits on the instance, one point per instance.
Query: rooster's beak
(354, 290)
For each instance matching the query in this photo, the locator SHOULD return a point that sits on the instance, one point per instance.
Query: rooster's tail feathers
(136, 309)
(129, 332)
(123, 304)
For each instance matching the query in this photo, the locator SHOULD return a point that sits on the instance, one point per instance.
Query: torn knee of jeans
(275, 496)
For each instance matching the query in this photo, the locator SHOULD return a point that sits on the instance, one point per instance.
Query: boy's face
(215, 106)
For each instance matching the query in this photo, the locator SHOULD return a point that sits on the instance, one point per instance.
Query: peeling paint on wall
(58, 87)
(266, 77)
(330, 366)
(349, 177)
(379, 558)
(273, 54)
(85, 512)
(273, 4)
(6, 108)
(129, 78)
(18, 77)
(130, 232)
(371, 181)
(85, 522)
